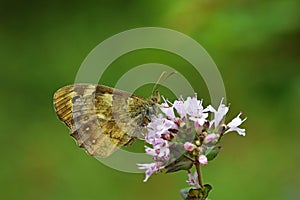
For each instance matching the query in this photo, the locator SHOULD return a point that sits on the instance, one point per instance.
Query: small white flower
(218, 114)
(193, 180)
(203, 160)
(233, 125)
(167, 110)
(195, 110)
(157, 127)
(150, 151)
(163, 151)
(179, 106)
(150, 169)
(200, 120)
(192, 106)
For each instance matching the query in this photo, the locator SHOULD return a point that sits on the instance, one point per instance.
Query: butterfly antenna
(160, 77)
(171, 74)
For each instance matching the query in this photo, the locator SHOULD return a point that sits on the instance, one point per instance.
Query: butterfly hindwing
(102, 119)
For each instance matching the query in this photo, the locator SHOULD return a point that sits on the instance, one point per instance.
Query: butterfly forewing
(102, 119)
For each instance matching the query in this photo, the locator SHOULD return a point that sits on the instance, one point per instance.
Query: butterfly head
(155, 97)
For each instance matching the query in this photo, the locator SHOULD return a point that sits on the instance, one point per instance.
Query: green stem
(197, 165)
(189, 158)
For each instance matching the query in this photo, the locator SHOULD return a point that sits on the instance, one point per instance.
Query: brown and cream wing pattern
(102, 119)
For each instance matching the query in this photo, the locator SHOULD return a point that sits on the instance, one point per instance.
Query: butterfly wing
(102, 119)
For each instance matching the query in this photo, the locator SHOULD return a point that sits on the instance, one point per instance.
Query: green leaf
(206, 189)
(212, 153)
(192, 193)
(185, 191)
(180, 164)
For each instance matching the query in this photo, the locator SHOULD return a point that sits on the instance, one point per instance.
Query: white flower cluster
(176, 119)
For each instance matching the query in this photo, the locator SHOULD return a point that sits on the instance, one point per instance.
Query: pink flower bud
(198, 127)
(189, 146)
(203, 160)
(210, 137)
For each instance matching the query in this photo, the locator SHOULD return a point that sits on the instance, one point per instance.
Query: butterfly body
(101, 118)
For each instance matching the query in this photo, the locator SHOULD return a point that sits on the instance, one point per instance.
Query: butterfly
(102, 119)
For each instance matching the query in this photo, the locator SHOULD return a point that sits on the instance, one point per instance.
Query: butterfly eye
(156, 96)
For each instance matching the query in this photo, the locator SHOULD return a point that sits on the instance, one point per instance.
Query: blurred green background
(255, 44)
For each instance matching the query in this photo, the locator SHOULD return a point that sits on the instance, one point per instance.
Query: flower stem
(187, 157)
(197, 165)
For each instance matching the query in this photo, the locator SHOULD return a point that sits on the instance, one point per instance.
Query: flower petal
(233, 125)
